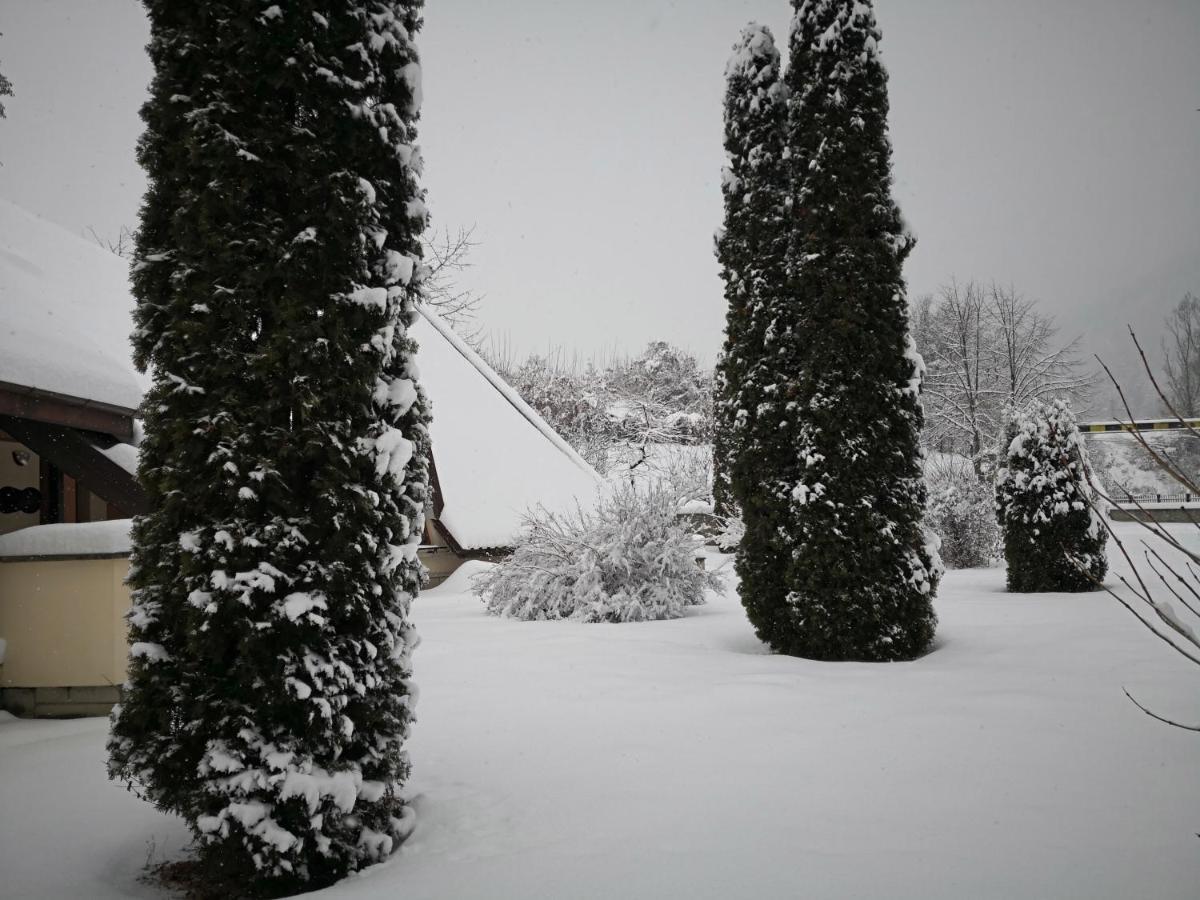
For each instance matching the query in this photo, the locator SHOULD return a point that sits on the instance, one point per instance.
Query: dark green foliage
(752, 243)
(1053, 537)
(834, 563)
(286, 441)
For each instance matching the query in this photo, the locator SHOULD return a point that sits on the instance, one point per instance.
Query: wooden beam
(26, 403)
(73, 453)
(50, 487)
(439, 502)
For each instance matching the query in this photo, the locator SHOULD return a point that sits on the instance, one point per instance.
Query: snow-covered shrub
(627, 560)
(1053, 537)
(733, 529)
(567, 397)
(960, 510)
(663, 396)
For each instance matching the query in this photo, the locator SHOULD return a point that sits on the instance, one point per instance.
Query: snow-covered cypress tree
(750, 244)
(831, 469)
(276, 272)
(1053, 537)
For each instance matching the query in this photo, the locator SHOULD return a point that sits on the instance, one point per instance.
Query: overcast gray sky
(1055, 146)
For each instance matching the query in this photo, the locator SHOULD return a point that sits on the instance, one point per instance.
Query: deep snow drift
(679, 759)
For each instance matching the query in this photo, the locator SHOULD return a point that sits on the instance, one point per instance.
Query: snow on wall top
(495, 456)
(65, 313)
(68, 539)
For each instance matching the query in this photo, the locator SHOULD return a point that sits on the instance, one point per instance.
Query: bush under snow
(626, 560)
(1053, 535)
(960, 510)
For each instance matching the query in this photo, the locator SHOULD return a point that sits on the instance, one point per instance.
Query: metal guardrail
(1124, 497)
(1140, 425)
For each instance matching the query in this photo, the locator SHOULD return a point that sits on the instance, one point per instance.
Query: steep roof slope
(64, 314)
(495, 456)
(65, 321)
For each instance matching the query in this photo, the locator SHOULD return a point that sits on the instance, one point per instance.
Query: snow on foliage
(988, 350)
(820, 412)
(749, 245)
(661, 396)
(1053, 537)
(270, 695)
(960, 510)
(627, 560)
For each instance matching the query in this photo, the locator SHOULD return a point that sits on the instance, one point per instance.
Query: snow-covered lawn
(678, 759)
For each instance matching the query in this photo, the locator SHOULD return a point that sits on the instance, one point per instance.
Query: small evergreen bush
(1053, 538)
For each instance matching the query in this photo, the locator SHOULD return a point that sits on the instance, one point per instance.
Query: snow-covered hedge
(628, 559)
(1053, 537)
(960, 510)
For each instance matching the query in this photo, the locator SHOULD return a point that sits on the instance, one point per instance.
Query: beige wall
(441, 562)
(64, 622)
(64, 619)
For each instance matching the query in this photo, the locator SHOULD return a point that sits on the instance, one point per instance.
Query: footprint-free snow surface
(680, 759)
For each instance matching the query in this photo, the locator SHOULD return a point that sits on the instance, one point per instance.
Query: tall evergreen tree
(1053, 537)
(749, 245)
(276, 272)
(830, 476)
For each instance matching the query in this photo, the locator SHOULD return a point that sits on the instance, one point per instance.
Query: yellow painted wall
(64, 622)
(441, 562)
(64, 619)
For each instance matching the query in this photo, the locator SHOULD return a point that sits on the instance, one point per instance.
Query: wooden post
(50, 484)
(70, 494)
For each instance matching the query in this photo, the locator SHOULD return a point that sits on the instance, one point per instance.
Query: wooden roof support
(74, 453)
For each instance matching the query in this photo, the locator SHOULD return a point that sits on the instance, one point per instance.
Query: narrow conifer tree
(830, 475)
(277, 267)
(751, 243)
(1053, 537)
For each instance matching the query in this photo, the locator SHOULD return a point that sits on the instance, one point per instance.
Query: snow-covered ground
(679, 759)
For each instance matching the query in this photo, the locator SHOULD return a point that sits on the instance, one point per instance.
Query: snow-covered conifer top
(1046, 459)
(857, 16)
(754, 51)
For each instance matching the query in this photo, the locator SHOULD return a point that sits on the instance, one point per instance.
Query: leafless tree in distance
(1181, 356)
(987, 348)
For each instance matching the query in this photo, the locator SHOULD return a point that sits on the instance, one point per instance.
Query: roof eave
(35, 404)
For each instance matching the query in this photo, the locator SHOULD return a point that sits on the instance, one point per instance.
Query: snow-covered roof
(66, 319)
(65, 312)
(495, 456)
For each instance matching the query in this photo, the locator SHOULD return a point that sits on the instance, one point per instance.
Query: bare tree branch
(447, 256)
(1156, 615)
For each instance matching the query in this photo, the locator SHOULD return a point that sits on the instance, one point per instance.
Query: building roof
(495, 456)
(65, 330)
(66, 314)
